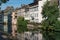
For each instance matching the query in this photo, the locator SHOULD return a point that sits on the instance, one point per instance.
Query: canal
(51, 36)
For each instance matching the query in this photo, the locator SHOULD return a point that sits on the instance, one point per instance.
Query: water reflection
(51, 35)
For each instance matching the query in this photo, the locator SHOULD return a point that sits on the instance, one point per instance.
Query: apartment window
(15, 17)
(32, 16)
(36, 14)
(26, 39)
(0, 20)
(36, 9)
(59, 2)
(26, 15)
(19, 13)
(36, 20)
(33, 9)
(0, 16)
(15, 13)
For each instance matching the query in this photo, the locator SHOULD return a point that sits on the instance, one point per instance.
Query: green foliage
(21, 25)
(57, 26)
(3, 1)
(50, 23)
(50, 13)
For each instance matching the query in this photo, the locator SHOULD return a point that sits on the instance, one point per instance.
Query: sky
(15, 3)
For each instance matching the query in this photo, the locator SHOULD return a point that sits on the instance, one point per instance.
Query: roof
(32, 4)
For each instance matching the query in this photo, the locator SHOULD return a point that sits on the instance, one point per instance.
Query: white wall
(40, 4)
(6, 21)
(31, 12)
(30, 36)
(27, 15)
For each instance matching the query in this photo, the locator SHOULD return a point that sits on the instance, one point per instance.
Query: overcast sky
(15, 3)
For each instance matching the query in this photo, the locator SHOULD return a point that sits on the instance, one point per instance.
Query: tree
(51, 13)
(3, 1)
(21, 25)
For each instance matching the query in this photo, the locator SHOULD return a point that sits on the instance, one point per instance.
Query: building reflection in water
(8, 23)
(5, 23)
(1, 20)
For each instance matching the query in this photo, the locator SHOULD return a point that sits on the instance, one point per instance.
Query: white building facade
(14, 23)
(33, 36)
(34, 12)
(5, 23)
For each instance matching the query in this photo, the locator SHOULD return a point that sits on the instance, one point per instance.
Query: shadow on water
(47, 35)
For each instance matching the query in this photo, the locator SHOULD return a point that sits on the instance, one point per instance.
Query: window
(36, 20)
(36, 14)
(27, 14)
(0, 16)
(19, 13)
(15, 16)
(33, 9)
(36, 9)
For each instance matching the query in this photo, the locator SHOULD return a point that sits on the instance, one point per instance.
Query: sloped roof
(32, 4)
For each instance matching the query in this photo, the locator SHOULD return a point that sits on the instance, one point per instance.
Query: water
(51, 36)
(57, 35)
(1, 38)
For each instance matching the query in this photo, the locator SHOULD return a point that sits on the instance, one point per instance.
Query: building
(14, 23)
(20, 12)
(32, 12)
(10, 20)
(5, 22)
(30, 36)
(10, 23)
(1, 20)
(59, 5)
(33, 35)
